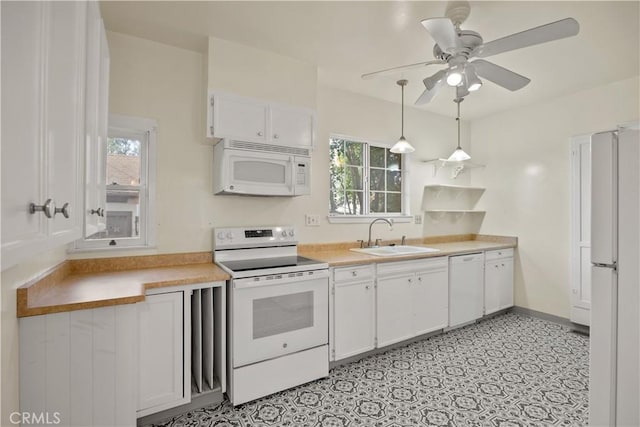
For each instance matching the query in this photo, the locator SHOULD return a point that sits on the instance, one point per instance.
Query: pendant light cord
(458, 120)
(402, 114)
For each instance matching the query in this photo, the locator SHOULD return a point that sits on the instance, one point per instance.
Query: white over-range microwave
(248, 168)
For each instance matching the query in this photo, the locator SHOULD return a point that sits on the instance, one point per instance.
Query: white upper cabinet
(96, 107)
(23, 167)
(64, 110)
(291, 125)
(44, 67)
(253, 120)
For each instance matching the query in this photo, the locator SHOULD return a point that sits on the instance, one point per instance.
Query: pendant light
(458, 155)
(402, 146)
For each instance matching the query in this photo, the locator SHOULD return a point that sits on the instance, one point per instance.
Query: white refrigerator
(614, 385)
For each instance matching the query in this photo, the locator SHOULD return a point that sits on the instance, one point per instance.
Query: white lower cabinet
(78, 368)
(412, 299)
(354, 311)
(498, 280)
(162, 361)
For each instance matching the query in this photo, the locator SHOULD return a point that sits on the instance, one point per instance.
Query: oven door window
(281, 314)
(277, 319)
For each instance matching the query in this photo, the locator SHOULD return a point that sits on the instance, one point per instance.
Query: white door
(394, 314)
(628, 355)
(581, 229)
(291, 126)
(505, 291)
(23, 165)
(65, 114)
(239, 118)
(430, 300)
(161, 356)
(354, 313)
(280, 317)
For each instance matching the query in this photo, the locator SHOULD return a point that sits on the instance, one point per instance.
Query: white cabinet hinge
(375, 342)
(333, 353)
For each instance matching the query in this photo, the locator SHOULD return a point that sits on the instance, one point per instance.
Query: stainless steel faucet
(371, 225)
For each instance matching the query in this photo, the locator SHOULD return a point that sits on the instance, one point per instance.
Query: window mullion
(366, 187)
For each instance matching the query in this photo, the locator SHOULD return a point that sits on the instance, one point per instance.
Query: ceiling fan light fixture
(431, 81)
(473, 81)
(454, 76)
(402, 146)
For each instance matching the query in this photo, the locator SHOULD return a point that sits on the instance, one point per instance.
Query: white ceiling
(346, 39)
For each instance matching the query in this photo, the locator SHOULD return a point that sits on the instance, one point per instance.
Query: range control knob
(291, 233)
(229, 235)
(284, 233)
(220, 235)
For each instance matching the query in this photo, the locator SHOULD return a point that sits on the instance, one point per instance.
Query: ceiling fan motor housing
(469, 40)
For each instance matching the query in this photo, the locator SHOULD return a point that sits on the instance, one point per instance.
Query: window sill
(366, 219)
(79, 249)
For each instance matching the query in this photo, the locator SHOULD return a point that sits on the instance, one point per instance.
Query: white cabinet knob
(354, 273)
(259, 133)
(275, 136)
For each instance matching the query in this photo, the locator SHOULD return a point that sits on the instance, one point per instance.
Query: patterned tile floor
(511, 370)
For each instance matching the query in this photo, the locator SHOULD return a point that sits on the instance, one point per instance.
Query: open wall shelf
(456, 167)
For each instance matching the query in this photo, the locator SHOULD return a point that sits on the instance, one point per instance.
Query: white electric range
(278, 308)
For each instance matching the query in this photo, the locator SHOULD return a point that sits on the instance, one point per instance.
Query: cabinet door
(291, 126)
(23, 165)
(492, 283)
(506, 283)
(395, 317)
(354, 324)
(239, 118)
(430, 301)
(160, 354)
(64, 124)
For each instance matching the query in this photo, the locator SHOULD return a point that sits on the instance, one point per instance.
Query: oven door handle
(279, 279)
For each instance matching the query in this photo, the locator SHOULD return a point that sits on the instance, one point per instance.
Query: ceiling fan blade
(443, 32)
(394, 70)
(500, 76)
(545, 33)
(428, 94)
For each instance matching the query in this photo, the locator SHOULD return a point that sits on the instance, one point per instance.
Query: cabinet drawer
(399, 267)
(498, 254)
(350, 274)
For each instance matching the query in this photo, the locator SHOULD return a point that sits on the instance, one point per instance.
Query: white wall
(169, 84)
(527, 153)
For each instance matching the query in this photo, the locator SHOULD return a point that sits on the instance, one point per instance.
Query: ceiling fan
(462, 51)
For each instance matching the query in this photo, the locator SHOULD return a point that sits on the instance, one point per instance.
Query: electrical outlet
(312, 220)
(417, 219)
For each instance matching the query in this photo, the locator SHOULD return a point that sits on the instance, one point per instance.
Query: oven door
(257, 173)
(279, 316)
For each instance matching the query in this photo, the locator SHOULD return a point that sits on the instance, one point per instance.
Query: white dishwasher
(466, 288)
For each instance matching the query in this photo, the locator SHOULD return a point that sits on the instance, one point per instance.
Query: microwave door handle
(292, 175)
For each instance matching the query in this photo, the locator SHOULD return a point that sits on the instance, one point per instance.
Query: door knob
(99, 212)
(64, 210)
(47, 208)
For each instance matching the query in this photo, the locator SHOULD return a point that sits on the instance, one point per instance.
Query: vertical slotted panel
(196, 338)
(220, 350)
(207, 335)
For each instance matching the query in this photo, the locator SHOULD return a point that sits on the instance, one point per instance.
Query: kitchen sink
(394, 250)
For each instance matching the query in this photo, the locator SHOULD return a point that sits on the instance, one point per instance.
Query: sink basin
(394, 250)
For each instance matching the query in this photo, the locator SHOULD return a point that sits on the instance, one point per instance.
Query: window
(366, 180)
(126, 190)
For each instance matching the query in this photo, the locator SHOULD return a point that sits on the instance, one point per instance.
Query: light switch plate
(417, 219)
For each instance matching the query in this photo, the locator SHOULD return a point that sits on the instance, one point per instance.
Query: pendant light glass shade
(402, 146)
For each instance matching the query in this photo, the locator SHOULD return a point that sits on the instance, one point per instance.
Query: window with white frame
(128, 164)
(366, 180)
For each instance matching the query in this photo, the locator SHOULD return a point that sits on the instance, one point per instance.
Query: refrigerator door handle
(613, 266)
